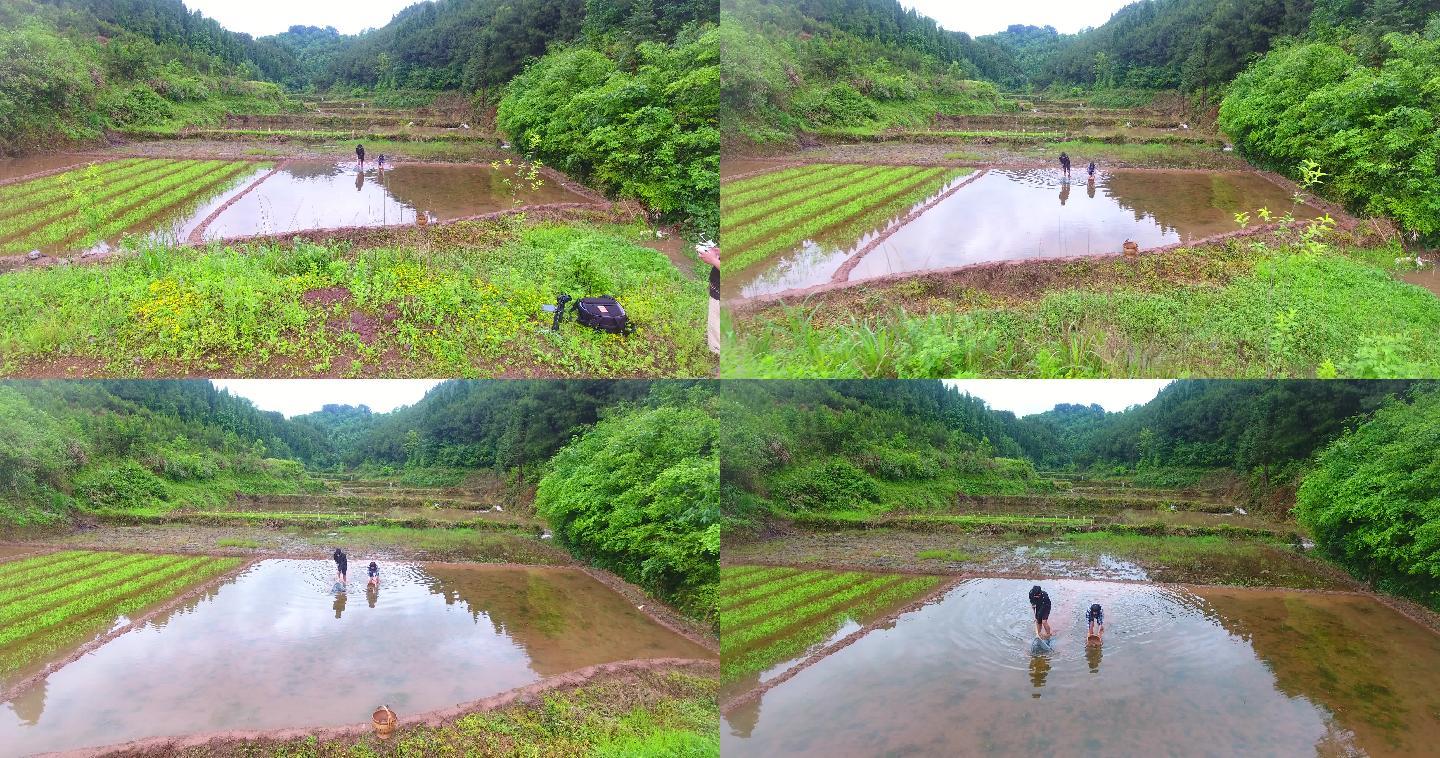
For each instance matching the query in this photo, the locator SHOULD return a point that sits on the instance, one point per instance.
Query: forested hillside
(833, 65)
(76, 445)
(826, 446)
(73, 69)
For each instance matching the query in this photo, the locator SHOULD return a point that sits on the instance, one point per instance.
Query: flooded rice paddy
(1429, 278)
(278, 647)
(11, 168)
(1203, 671)
(1033, 214)
(323, 195)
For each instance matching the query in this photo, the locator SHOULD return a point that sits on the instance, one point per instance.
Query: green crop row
(204, 185)
(73, 227)
(731, 201)
(39, 192)
(27, 191)
(987, 519)
(42, 566)
(732, 601)
(802, 639)
(33, 586)
(795, 615)
(879, 214)
(731, 574)
(784, 220)
(817, 586)
(123, 601)
(803, 222)
(77, 197)
(764, 180)
(831, 189)
(729, 584)
(42, 605)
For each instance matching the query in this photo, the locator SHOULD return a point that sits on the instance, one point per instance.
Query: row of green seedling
(41, 566)
(830, 188)
(807, 221)
(17, 198)
(21, 588)
(795, 615)
(818, 584)
(732, 201)
(875, 179)
(734, 599)
(15, 617)
(759, 575)
(880, 214)
(77, 196)
(199, 188)
(107, 211)
(48, 642)
(803, 639)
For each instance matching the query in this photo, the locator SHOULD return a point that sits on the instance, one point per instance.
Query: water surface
(30, 164)
(1200, 672)
(277, 647)
(326, 195)
(1033, 214)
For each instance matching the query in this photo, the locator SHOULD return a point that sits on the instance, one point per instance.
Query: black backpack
(603, 313)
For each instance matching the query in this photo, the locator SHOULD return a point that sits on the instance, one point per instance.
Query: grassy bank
(460, 300)
(1241, 310)
(646, 715)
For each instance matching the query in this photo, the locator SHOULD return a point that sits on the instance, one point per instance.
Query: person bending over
(374, 575)
(1095, 620)
(1040, 601)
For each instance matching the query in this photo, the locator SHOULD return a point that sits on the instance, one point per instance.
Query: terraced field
(82, 207)
(52, 603)
(834, 204)
(773, 615)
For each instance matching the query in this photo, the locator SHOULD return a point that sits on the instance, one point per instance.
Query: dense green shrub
(637, 494)
(826, 485)
(1372, 500)
(1375, 129)
(122, 484)
(647, 134)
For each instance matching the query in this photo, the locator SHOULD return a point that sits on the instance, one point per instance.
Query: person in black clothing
(341, 564)
(360, 153)
(1091, 170)
(711, 256)
(1040, 601)
(1095, 619)
(1065, 164)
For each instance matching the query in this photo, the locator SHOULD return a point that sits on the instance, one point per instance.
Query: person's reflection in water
(1092, 657)
(1064, 191)
(359, 179)
(339, 603)
(1039, 670)
(1090, 186)
(29, 705)
(372, 593)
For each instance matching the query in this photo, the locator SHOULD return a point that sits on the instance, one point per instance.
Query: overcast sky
(977, 18)
(1024, 397)
(294, 397)
(263, 17)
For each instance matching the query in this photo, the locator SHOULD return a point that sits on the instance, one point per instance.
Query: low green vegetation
(651, 715)
(763, 219)
(452, 544)
(954, 556)
(74, 72)
(78, 208)
(834, 66)
(770, 616)
(238, 542)
(462, 300)
(644, 129)
(1371, 123)
(55, 602)
(1371, 499)
(636, 495)
(1284, 311)
(819, 448)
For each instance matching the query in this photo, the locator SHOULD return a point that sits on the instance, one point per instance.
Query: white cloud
(1025, 397)
(294, 397)
(977, 19)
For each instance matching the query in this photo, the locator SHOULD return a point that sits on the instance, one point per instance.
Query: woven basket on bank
(383, 719)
